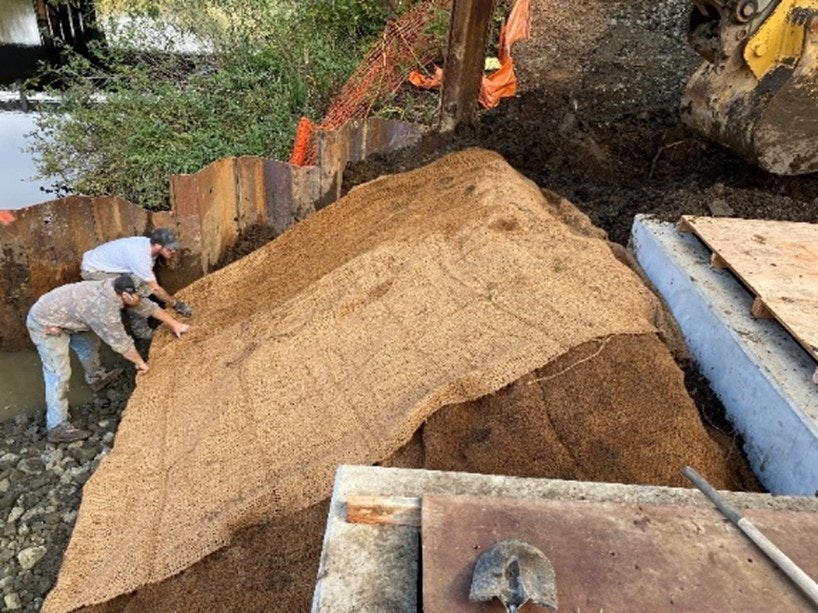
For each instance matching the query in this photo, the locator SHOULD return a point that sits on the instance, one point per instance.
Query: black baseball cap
(165, 237)
(131, 284)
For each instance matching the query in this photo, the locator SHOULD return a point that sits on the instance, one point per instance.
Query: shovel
(514, 572)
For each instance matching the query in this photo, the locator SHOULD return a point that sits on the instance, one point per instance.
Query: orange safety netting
(404, 42)
(502, 83)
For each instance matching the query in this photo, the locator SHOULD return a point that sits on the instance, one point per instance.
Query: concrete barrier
(755, 367)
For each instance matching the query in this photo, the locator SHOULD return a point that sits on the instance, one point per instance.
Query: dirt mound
(612, 410)
(415, 296)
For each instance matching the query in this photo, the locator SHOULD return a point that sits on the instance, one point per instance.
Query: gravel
(40, 493)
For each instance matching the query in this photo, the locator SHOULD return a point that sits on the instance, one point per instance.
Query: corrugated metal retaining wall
(43, 247)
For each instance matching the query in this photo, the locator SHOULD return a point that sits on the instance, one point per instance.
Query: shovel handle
(779, 558)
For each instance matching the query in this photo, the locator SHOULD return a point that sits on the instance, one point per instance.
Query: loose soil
(596, 121)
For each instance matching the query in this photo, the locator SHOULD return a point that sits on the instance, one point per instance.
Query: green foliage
(141, 111)
(352, 19)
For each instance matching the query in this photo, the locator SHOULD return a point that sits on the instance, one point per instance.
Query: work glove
(182, 308)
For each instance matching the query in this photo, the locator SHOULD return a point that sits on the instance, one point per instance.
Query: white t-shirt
(131, 255)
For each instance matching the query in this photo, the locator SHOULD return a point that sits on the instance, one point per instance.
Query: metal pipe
(790, 568)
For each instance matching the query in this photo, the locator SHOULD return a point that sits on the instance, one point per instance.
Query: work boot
(66, 433)
(101, 382)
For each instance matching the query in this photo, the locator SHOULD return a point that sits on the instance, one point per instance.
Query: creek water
(20, 188)
(22, 389)
(21, 380)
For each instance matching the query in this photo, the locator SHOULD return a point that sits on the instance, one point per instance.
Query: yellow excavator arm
(757, 90)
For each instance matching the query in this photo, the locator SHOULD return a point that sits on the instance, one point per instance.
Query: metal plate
(615, 557)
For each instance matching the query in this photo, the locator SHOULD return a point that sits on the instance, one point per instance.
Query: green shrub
(135, 115)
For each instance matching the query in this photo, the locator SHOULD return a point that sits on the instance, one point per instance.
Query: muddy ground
(597, 120)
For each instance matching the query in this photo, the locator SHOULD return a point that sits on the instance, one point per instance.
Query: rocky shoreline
(40, 492)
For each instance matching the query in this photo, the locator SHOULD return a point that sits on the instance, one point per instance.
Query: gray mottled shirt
(89, 305)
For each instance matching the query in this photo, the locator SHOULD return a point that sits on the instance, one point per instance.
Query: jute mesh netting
(337, 341)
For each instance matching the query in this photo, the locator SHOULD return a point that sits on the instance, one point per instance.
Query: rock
(15, 477)
(84, 454)
(44, 584)
(75, 475)
(31, 514)
(7, 500)
(12, 602)
(14, 515)
(720, 208)
(29, 556)
(53, 458)
(9, 459)
(31, 466)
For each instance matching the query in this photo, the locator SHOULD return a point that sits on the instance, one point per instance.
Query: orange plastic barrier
(502, 83)
(6, 217)
(382, 72)
(418, 80)
(303, 139)
(517, 27)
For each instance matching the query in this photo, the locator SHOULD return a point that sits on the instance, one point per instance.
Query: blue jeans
(56, 359)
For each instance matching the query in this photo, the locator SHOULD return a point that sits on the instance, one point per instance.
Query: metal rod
(790, 568)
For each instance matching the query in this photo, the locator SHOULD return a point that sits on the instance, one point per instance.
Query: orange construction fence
(404, 43)
(501, 83)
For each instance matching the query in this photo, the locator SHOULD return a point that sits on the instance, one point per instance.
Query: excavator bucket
(757, 91)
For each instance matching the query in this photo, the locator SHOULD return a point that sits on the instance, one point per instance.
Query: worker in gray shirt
(135, 255)
(76, 316)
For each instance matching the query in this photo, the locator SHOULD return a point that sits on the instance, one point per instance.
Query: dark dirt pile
(597, 121)
(613, 410)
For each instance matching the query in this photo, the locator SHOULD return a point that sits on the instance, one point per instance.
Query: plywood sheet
(618, 557)
(776, 260)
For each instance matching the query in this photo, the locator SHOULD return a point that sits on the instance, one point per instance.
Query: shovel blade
(514, 572)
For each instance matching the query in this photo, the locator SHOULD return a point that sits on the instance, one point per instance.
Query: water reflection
(19, 23)
(22, 389)
(20, 188)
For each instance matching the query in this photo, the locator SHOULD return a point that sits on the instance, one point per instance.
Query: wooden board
(618, 557)
(776, 260)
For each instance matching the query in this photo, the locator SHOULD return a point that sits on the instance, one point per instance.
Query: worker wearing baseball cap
(76, 316)
(136, 255)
